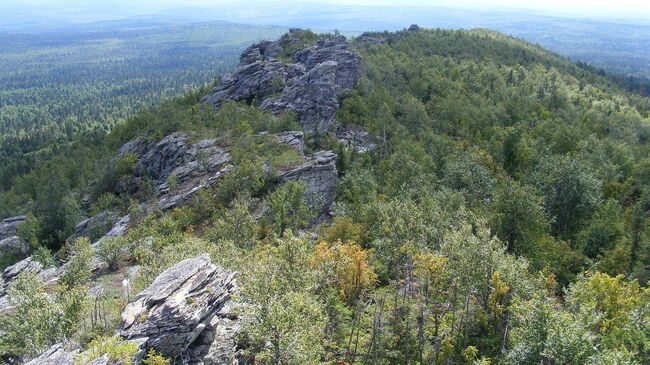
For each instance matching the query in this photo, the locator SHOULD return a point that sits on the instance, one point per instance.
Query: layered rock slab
(187, 302)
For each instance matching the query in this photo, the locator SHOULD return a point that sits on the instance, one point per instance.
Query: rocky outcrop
(9, 226)
(175, 159)
(310, 85)
(367, 38)
(174, 156)
(186, 312)
(46, 276)
(11, 246)
(95, 226)
(355, 138)
(319, 175)
(56, 355)
(295, 139)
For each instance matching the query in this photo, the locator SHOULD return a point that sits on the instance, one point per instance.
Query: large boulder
(9, 226)
(310, 85)
(186, 311)
(319, 175)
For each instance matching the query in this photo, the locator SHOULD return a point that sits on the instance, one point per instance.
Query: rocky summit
(308, 81)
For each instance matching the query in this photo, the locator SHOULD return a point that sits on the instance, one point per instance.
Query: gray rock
(13, 246)
(163, 157)
(120, 227)
(355, 138)
(319, 175)
(369, 38)
(174, 155)
(9, 226)
(46, 276)
(186, 193)
(179, 307)
(56, 355)
(295, 139)
(103, 360)
(94, 226)
(310, 86)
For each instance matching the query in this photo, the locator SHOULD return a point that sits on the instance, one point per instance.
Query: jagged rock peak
(186, 310)
(308, 81)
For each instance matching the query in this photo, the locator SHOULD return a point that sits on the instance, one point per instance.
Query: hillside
(417, 197)
(82, 79)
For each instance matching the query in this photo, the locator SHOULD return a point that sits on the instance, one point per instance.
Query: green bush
(287, 207)
(155, 358)
(39, 320)
(112, 250)
(79, 266)
(119, 352)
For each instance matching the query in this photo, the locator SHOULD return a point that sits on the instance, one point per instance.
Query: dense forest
(503, 217)
(82, 80)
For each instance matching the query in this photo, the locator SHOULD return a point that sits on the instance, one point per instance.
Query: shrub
(155, 358)
(288, 209)
(111, 249)
(118, 351)
(38, 320)
(79, 268)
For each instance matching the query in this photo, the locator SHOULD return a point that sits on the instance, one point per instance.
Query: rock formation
(319, 175)
(310, 85)
(95, 226)
(10, 244)
(44, 275)
(9, 226)
(185, 313)
(56, 355)
(191, 166)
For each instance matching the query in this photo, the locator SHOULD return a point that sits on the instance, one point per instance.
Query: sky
(586, 8)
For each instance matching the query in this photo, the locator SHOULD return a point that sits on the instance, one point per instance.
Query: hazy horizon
(94, 10)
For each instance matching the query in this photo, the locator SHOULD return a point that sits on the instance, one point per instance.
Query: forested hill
(418, 197)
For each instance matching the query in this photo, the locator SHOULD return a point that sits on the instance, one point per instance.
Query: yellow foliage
(344, 230)
(497, 295)
(430, 266)
(350, 266)
(613, 297)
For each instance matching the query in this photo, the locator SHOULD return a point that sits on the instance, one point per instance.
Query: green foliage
(287, 207)
(284, 312)
(39, 320)
(79, 265)
(571, 193)
(246, 178)
(519, 219)
(155, 358)
(113, 251)
(119, 352)
(30, 230)
(235, 224)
